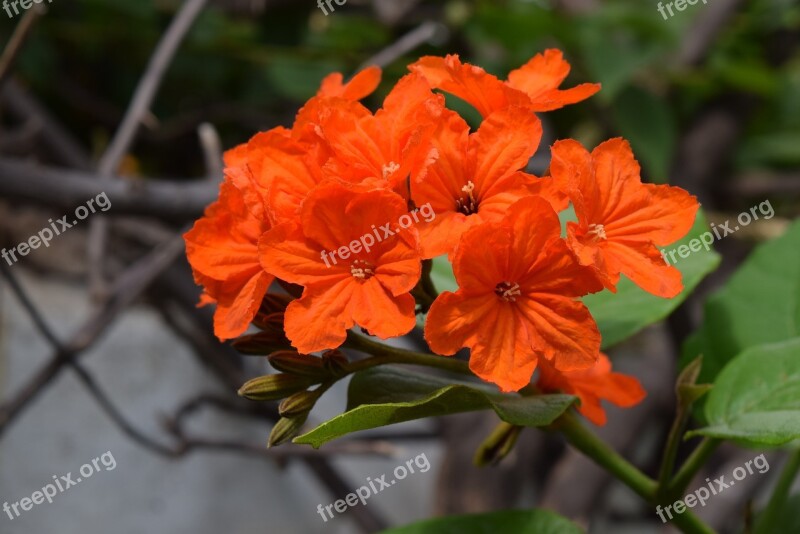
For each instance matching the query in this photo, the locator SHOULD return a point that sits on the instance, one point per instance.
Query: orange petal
(452, 320)
(548, 188)
(664, 215)
(360, 86)
(645, 267)
(571, 168)
(470, 83)
(591, 386)
(563, 329)
(504, 143)
(502, 353)
(237, 305)
(319, 319)
(286, 253)
(541, 77)
(381, 313)
(481, 260)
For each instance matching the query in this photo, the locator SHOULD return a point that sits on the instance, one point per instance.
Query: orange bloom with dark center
(620, 219)
(384, 149)
(476, 177)
(222, 249)
(516, 302)
(591, 386)
(535, 85)
(356, 268)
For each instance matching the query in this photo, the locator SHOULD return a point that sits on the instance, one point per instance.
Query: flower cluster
(343, 172)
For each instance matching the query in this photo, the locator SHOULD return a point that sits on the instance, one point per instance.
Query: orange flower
(620, 219)
(355, 268)
(222, 249)
(294, 161)
(534, 85)
(591, 386)
(516, 301)
(476, 177)
(382, 150)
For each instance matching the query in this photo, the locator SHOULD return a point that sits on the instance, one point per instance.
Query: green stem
(766, 523)
(671, 449)
(691, 524)
(603, 455)
(690, 468)
(590, 445)
(385, 354)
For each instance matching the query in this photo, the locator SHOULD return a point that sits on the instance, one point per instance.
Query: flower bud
(497, 446)
(274, 387)
(269, 322)
(262, 343)
(299, 403)
(294, 363)
(285, 429)
(335, 362)
(274, 303)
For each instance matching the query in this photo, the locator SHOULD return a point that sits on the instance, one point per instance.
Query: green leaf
(648, 122)
(517, 521)
(760, 304)
(621, 315)
(756, 398)
(384, 396)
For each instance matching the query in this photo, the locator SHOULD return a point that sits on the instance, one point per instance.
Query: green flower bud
(285, 429)
(274, 387)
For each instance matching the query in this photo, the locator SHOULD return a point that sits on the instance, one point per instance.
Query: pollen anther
(390, 169)
(597, 230)
(362, 270)
(469, 205)
(508, 291)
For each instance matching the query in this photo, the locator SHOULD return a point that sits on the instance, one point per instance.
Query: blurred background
(102, 347)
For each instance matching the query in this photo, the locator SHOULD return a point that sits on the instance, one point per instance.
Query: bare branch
(170, 200)
(18, 39)
(140, 105)
(422, 34)
(59, 140)
(132, 283)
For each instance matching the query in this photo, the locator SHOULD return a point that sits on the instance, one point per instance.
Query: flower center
(467, 205)
(390, 169)
(362, 270)
(598, 231)
(507, 291)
